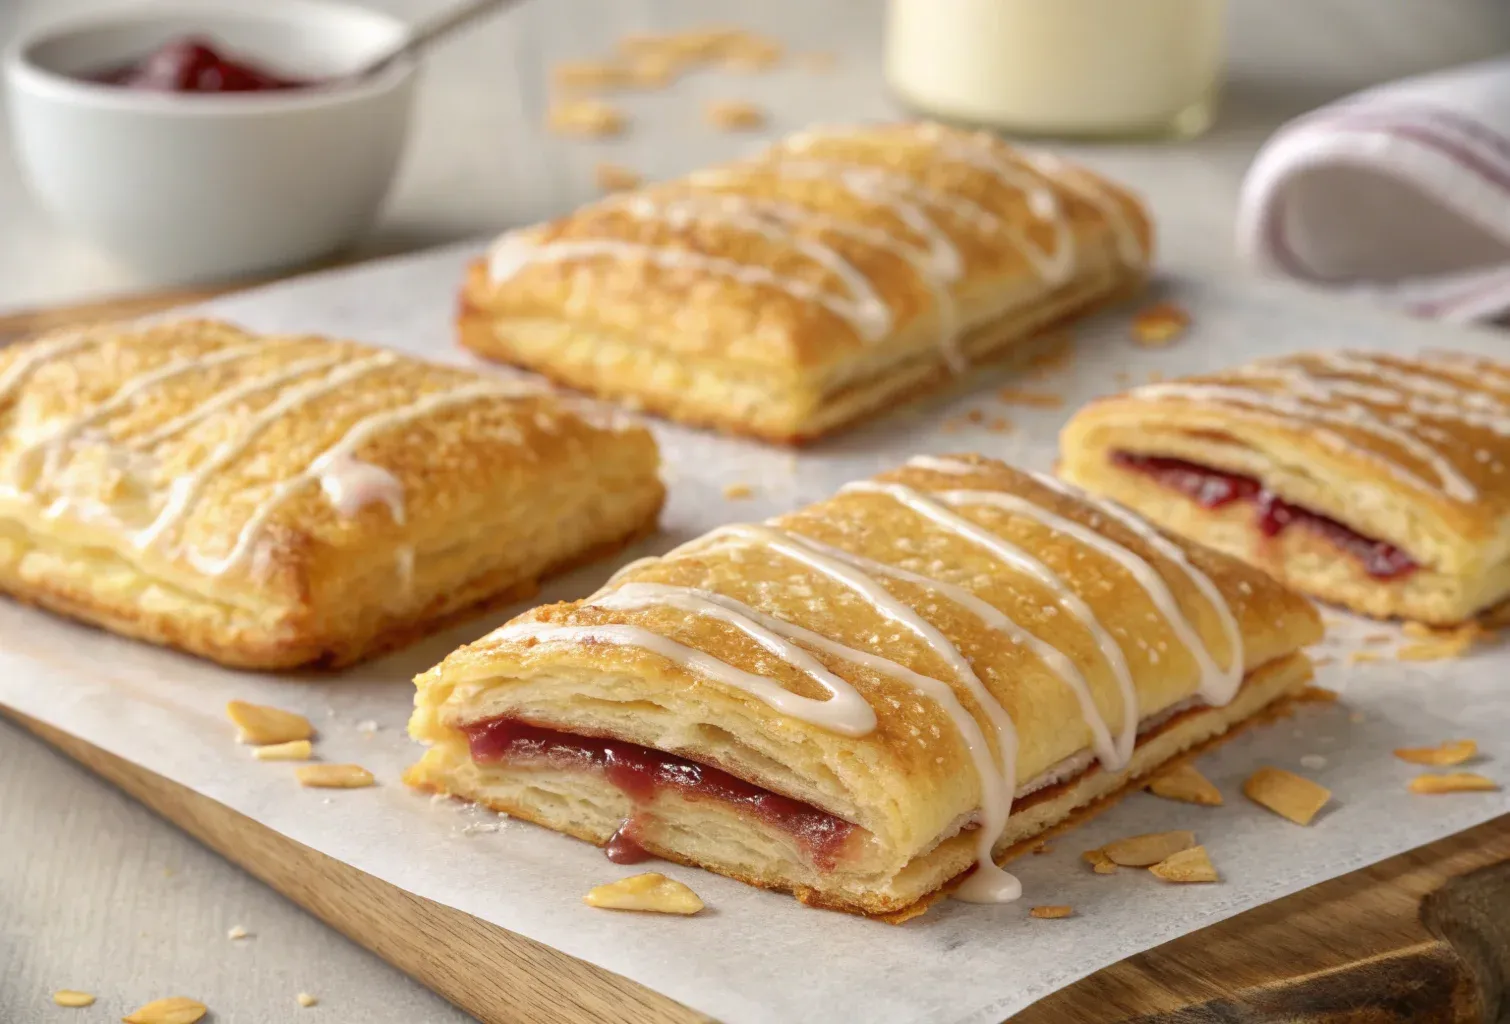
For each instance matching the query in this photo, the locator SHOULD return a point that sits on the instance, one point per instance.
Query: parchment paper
(755, 956)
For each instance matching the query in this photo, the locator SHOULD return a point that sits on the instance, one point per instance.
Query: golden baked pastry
(1375, 481)
(279, 501)
(868, 700)
(830, 277)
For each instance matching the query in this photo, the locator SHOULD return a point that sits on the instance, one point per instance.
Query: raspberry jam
(641, 773)
(191, 64)
(1214, 488)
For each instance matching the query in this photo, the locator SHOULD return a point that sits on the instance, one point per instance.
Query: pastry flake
(274, 501)
(1288, 795)
(1186, 784)
(832, 276)
(1453, 782)
(1374, 481)
(1191, 865)
(172, 1010)
(334, 776)
(1443, 754)
(869, 701)
(651, 892)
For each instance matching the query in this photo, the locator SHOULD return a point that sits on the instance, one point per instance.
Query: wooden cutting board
(1421, 937)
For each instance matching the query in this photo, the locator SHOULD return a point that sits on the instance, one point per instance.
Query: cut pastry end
(639, 802)
(1375, 482)
(791, 703)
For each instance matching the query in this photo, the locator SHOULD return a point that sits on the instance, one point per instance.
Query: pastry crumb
(1453, 782)
(1042, 848)
(737, 491)
(1058, 354)
(1052, 912)
(1159, 324)
(1150, 848)
(734, 115)
(1155, 377)
(1442, 755)
(999, 425)
(172, 1010)
(652, 892)
(1312, 762)
(1190, 865)
(72, 998)
(1317, 695)
(1364, 657)
(818, 61)
(1032, 399)
(587, 118)
(1288, 795)
(1100, 863)
(1187, 784)
(1443, 644)
(481, 827)
(589, 75)
(616, 178)
(261, 725)
(1374, 639)
(293, 750)
(237, 931)
(305, 1000)
(334, 776)
(1323, 660)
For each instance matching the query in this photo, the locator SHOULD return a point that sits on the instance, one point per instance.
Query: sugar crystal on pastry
(840, 271)
(272, 501)
(871, 701)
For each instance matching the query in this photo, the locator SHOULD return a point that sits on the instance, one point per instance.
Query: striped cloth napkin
(1401, 192)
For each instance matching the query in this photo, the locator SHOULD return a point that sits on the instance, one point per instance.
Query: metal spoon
(427, 32)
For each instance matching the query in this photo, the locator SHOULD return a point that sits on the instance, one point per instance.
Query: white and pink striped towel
(1402, 192)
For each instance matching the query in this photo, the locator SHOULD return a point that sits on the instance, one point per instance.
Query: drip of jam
(641, 773)
(622, 848)
(191, 64)
(1214, 488)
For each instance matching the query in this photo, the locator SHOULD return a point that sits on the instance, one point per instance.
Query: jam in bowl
(195, 64)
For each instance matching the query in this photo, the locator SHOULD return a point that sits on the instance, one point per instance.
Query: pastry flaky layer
(274, 501)
(822, 280)
(872, 696)
(1375, 481)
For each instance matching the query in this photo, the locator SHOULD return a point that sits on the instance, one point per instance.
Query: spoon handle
(443, 24)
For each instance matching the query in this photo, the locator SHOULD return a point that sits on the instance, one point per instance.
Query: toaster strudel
(839, 272)
(1375, 481)
(272, 501)
(872, 700)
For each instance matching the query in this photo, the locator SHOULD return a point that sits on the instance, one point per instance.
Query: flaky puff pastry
(837, 273)
(273, 501)
(1375, 481)
(868, 698)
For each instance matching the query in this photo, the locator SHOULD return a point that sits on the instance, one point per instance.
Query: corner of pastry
(873, 700)
(274, 501)
(822, 281)
(1374, 481)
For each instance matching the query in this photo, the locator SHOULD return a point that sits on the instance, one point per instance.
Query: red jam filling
(641, 773)
(1214, 488)
(191, 64)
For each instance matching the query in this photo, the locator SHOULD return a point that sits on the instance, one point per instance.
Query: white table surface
(98, 894)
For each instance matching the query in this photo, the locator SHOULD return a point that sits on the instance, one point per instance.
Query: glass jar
(1081, 68)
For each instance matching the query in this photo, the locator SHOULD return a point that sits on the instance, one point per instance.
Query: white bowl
(191, 187)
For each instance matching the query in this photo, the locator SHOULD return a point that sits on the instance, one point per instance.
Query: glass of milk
(1078, 68)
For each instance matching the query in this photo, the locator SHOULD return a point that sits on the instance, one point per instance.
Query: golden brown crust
(857, 582)
(1411, 451)
(276, 501)
(792, 294)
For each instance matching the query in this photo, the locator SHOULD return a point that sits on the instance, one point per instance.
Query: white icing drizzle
(1064, 597)
(350, 482)
(513, 252)
(1218, 686)
(776, 221)
(230, 396)
(56, 442)
(1285, 409)
(1095, 191)
(844, 711)
(1309, 388)
(36, 355)
(1419, 395)
(988, 883)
